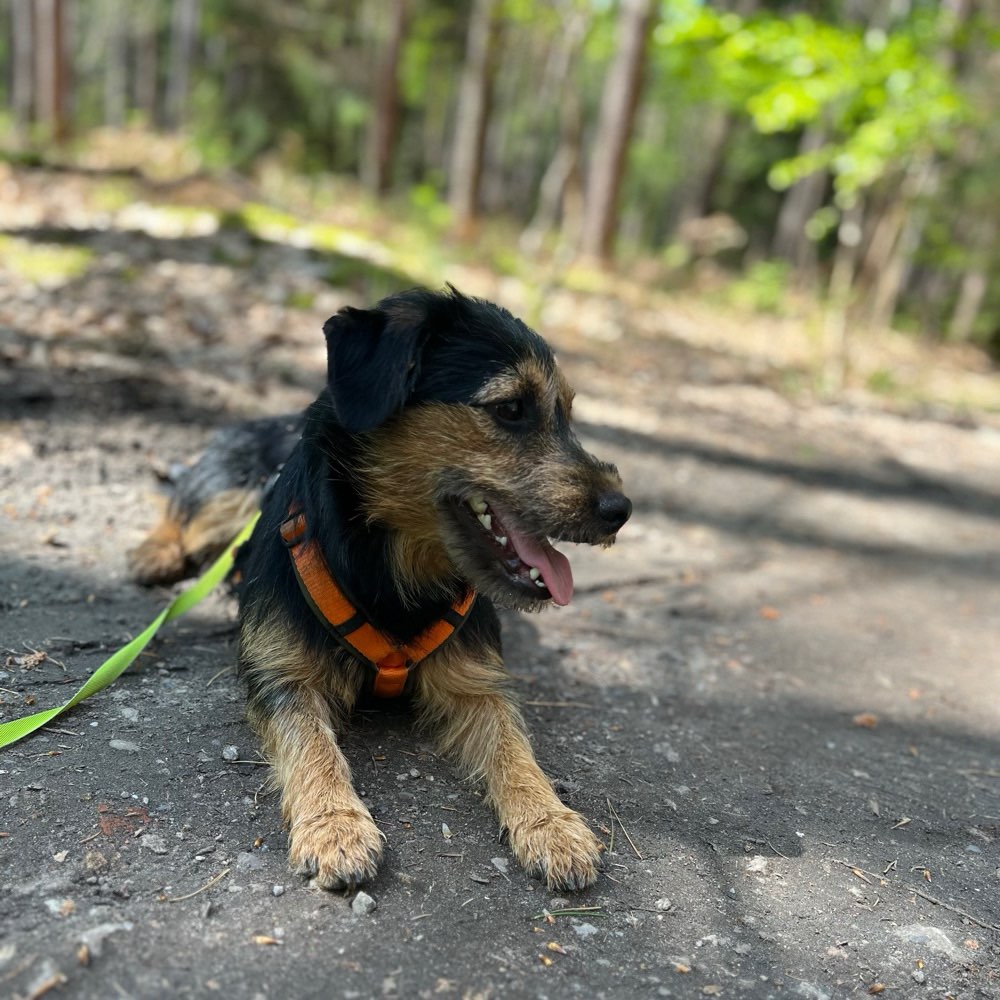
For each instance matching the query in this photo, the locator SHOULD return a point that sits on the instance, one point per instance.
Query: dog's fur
(432, 401)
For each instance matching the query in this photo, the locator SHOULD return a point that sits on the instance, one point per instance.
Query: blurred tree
(622, 86)
(385, 112)
(184, 31)
(22, 59)
(50, 87)
(472, 115)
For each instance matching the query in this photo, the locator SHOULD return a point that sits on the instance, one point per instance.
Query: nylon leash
(117, 662)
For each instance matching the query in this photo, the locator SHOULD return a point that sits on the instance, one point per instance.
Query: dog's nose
(614, 509)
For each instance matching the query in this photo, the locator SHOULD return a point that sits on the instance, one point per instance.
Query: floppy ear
(372, 364)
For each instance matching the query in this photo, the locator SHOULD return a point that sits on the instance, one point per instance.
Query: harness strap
(392, 663)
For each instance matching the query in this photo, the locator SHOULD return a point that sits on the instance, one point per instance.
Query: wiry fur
(431, 400)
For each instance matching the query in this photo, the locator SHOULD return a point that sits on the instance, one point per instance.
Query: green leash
(112, 667)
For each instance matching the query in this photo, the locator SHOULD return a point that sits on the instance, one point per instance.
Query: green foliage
(47, 264)
(882, 98)
(762, 288)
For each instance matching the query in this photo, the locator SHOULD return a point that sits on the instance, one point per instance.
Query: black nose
(614, 509)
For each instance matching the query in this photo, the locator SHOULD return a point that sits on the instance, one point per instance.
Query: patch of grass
(371, 281)
(882, 381)
(300, 299)
(44, 263)
(112, 195)
(762, 288)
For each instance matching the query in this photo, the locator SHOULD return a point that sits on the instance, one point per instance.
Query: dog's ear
(373, 360)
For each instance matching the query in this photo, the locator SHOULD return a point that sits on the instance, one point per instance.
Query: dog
(424, 487)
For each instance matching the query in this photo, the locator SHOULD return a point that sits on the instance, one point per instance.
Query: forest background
(835, 159)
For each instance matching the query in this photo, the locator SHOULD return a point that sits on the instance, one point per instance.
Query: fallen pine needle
(207, 885)
(577, 911)
(904, 887)
(624, 831)
(557, 704)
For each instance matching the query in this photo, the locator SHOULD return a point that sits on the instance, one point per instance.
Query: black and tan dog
(430, 476)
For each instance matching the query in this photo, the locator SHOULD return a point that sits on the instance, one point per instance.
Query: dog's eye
(510, 411)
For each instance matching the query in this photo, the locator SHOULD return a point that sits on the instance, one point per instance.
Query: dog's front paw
(338, 849)
(559, 847)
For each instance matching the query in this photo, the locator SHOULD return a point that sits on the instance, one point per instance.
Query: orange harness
(392, 663)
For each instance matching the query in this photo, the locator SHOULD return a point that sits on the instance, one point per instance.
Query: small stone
(124, 745)
(94, 861)
(918, 976)
(153, 842)
(585, 930)
(414, 773)
(363, 904)
(500, 864)
(230, 753)
(93, 939)
(445, 831)
(246, 861)
(277, 890)
(663, 904)
(930, 938)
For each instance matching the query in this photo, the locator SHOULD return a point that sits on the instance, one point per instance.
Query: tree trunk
(51, 67)
(147, 67)
(618, 105)
(695, 200)
(802, 200)
(22, 78)
(910, 217)
(975, 284)
(384, 126)
(845, 262)
(183, 37)
(474, 100)
(116, 68)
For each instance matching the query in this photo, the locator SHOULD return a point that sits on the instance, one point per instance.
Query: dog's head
(468, 455)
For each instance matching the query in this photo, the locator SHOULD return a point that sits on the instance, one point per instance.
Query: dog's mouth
(527, 561)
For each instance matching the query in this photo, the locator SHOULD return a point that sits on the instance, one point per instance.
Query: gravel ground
(776, 698)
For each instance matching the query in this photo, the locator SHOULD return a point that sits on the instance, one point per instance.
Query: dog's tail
(177, 548)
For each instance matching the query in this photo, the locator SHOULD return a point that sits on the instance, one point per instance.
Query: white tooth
(500, 540)
(533, 573)
(486, 521)
(539, 583)
(478, 504)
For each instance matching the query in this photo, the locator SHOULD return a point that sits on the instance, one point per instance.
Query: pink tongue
(552, 564)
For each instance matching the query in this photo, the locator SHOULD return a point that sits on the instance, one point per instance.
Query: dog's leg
(332, 836)
(216, 523)
(465, 701)
(160, 558)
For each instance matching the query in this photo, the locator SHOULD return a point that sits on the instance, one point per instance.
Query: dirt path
(776, 698)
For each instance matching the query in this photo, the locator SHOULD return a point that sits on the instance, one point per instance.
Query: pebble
(363, 904)
(585, 930)
(277, 890)
(153, 842)
(248, 862)
(929, 937)
(230, 753)
(94, 938)
(918, 976)
(124, 745)
(663, 904)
